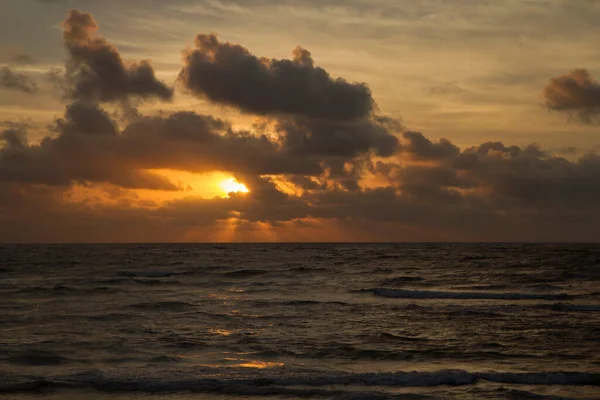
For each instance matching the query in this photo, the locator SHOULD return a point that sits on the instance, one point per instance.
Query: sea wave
(36, 358)
(429, 294)
(162, 306)
(576, 307)
(358, 353)
(149, 274)
(43, 386)
(63, 290)
(282, 381)
(401, 280)
(245, 273)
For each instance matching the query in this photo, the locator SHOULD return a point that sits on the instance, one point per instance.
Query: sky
(263, 120)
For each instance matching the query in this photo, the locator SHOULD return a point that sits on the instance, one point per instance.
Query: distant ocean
(297, 321)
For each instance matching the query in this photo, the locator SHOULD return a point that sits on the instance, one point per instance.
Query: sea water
(287, 321)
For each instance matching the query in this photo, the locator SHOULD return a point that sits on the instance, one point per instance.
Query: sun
(231, 185)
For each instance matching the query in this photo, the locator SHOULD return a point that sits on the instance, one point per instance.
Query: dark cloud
(96, 70)
(531, 178)
(228, 73)
(86, 119)
(427, 183)
(339, 139)
(345, 174)
(575, 93)
(10, 79)
(420, 147)
(526, 184)
(82, 152)
(304, 182)
(198, 143)
(90, 147)
(15, 135)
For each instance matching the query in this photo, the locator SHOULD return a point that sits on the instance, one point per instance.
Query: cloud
(339, 139)
(228, 73)
(321, 159)
(201, 143)
(523, 185)
(530, 178)
(22, 58)
(487, 192)
(419, 147)
(90, 147)
(325, 124)
(81, 153)
(575, 93)
(16, 81)
(304, 182)
(15, 134)
(96, 70)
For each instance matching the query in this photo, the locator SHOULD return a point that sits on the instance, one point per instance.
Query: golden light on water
(232, 186)
(261, 364)
(221, 332)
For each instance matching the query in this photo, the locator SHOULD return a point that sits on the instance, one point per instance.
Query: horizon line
(299, 242)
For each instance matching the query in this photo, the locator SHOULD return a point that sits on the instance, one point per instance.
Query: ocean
(298, 321)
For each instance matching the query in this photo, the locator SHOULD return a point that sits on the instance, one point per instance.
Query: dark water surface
(340, 321)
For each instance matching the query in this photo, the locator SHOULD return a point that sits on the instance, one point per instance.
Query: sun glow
(231, 185)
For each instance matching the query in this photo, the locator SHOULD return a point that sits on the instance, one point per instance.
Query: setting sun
(231, 185)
